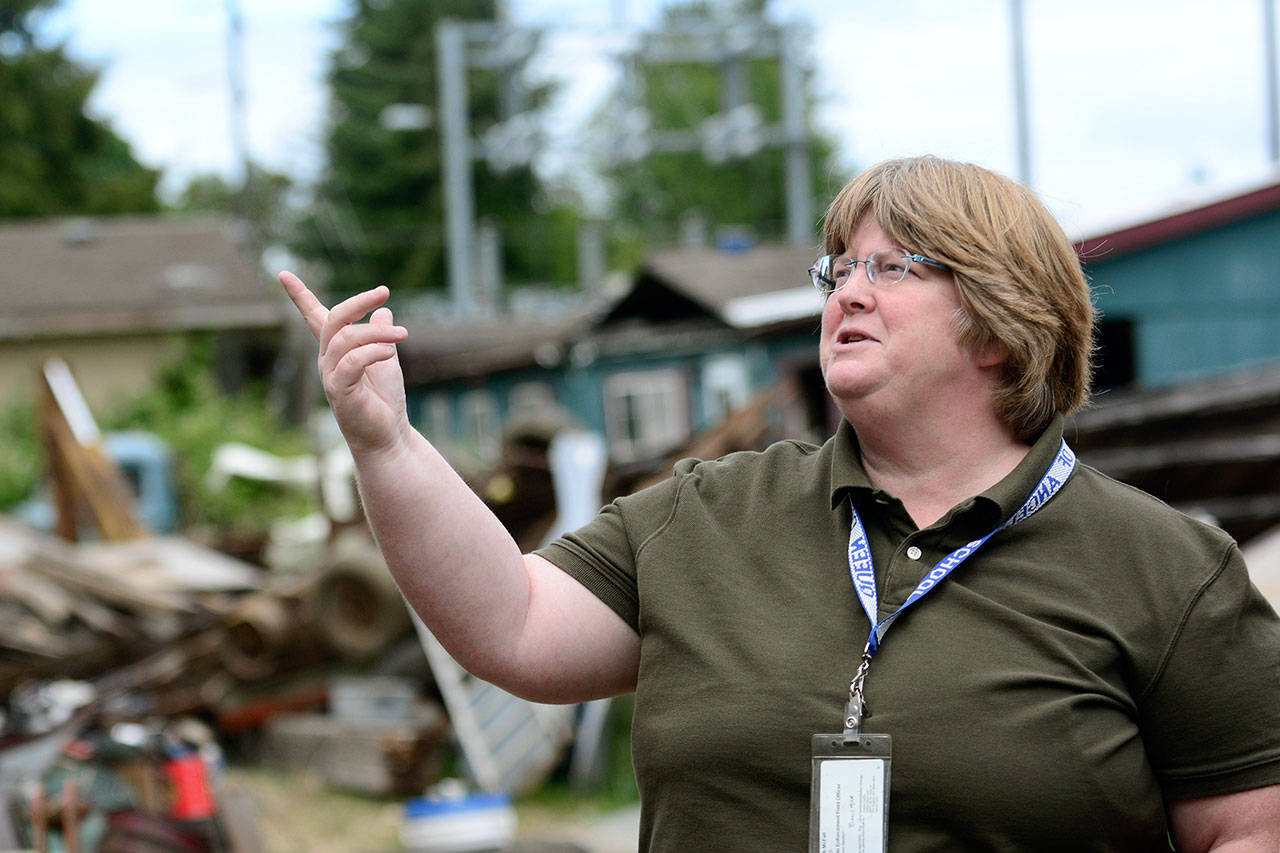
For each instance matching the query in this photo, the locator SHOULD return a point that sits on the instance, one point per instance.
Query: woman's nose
(858, 291)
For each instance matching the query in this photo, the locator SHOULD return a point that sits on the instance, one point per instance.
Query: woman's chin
(849, 382)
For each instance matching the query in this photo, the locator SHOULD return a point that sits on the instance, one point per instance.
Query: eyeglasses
(886, 266)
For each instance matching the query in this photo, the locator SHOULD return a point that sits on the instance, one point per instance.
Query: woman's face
(892, 343)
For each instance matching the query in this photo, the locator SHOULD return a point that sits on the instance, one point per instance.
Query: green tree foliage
(263, 203)
(188, 410)
(56, 159)
(194, 416)
(21, 457)
(656, 194)
(379, 214)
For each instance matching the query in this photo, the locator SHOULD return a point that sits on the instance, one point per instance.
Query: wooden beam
(1126, 461)
(83, 477)
(1236, 508)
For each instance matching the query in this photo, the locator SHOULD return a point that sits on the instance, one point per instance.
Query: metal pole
(1021, 111)
(800, 223)
(459, 204)
(488, 269)
(235, 78)
(591, 257)
(1273, 96)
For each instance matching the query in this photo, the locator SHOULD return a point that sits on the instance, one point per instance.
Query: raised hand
(358, 365)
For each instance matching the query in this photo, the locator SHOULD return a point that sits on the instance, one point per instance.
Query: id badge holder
(849, 793)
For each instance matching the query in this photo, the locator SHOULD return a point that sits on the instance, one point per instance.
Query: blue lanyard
(862, 570)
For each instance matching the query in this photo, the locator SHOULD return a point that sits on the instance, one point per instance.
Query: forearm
(1243, 822)
(516, 621)
(455, 562)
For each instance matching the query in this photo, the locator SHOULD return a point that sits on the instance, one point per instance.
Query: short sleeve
(601, 555)
(1211, 716)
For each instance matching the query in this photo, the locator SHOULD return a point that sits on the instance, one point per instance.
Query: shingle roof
(129, 274)
(713, 281)
(436, 351)
(718, 279)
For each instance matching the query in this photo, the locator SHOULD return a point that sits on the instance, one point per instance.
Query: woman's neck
(932, 464)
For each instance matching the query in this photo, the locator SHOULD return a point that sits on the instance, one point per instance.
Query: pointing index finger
(349, 311)
(308, 305)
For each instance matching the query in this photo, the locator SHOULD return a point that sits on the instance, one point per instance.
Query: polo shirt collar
(848, 475)
(1012, 492)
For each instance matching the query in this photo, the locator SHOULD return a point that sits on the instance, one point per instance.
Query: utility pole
(235, 77)
(1273, 96)
(459, 200)
(800, 221)
(1022, 119)
(738, 131)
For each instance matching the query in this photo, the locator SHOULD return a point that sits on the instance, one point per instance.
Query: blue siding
(1208, 303)
(579, 390)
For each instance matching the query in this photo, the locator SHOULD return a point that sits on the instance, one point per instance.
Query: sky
(1135, 105)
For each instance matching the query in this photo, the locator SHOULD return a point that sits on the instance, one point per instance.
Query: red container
(193, 800)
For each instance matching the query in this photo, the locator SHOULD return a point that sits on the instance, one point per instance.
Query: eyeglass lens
(831, 272)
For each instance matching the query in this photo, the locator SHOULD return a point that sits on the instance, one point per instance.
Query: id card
(849, 794)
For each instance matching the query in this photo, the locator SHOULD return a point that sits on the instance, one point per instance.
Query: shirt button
(914, 553)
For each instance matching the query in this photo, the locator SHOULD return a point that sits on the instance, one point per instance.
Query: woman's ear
(991, 356)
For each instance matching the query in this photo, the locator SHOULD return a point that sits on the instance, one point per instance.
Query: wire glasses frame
(887, 266)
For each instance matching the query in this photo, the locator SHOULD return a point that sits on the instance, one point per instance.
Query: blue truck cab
(147, 464)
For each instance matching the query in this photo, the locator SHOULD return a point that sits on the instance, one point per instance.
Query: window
(725, 387)
(482, 431)
(1116, 357)
(646, 413)
(530, 398)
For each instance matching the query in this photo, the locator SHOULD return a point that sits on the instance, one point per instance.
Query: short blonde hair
(1022, 291)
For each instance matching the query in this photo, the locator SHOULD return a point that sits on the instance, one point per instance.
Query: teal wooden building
(691, 336)
(1190, 294)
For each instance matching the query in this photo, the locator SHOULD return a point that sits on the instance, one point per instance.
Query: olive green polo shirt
(1083, 666)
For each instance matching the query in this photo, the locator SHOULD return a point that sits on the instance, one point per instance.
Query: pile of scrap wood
(194, 629)
(105, 592)
(162, 628)
(76, 610)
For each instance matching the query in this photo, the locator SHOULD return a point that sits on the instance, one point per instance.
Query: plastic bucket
(458, 824)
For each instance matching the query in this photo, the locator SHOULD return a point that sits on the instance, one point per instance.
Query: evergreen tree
(56, 160)
(656, 194)
(379, 215)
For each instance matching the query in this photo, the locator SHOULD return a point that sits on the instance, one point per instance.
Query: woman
(1097, 675)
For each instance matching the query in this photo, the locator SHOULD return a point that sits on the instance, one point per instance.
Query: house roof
(675, 297)
(130, 274)
(747, 289)
(1210, 208)
(456, 350)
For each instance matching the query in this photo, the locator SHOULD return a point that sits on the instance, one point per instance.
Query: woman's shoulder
(790, 468)
(780, 457)
(1134, 515)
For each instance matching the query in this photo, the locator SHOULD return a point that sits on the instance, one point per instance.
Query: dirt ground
(296, 813)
